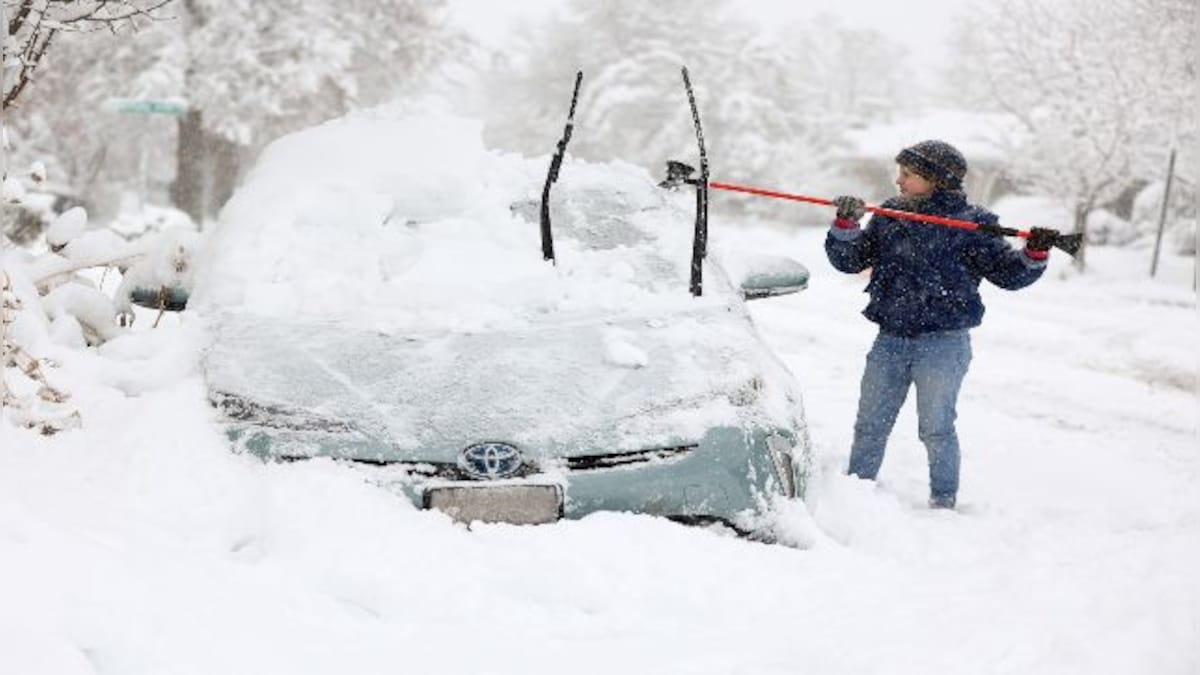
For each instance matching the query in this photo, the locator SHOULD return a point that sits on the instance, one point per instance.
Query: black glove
(1041, 239)
(849, 208)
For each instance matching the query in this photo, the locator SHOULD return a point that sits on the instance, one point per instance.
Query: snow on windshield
(409, 222)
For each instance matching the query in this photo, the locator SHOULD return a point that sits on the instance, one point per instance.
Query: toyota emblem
(490, 460)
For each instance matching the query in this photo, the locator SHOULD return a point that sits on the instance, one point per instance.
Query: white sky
(922, 25)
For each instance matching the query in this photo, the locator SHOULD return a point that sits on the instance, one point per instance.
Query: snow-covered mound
(410, 221)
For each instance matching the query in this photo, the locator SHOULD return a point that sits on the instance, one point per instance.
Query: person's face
(911, 184)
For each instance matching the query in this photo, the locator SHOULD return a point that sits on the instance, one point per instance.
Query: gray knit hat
(937, 161)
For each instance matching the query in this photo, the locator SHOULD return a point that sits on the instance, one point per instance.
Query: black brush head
(1069, 243)
(678, 174)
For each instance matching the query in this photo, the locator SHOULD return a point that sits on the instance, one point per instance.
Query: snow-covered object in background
(137, 218)
(979, 136)
(167, 263)
(1183, 236)
(37, 172)
(1181, 218)
(1105, 228)
(1147, 204)
(12, 190)
(66, 227)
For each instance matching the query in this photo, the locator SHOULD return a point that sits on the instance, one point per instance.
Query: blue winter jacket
(925, 277)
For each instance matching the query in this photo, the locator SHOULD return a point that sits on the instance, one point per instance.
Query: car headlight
(239, 409)
(780, 447)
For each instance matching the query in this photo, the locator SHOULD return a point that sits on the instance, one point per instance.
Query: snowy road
(143, 546)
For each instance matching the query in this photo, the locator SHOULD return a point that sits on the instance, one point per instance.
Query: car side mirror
(167, 298)
(767, 276)
(162, 276)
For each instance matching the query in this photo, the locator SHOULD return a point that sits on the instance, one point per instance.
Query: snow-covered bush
(40, 203)
(27, 398)
(1105, 228)
(1183, 236)
(1180, 225)
(136, 218)
(50, 302)
(166, 264)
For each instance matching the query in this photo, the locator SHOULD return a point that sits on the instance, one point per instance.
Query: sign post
(139, 106)
(1162, 215)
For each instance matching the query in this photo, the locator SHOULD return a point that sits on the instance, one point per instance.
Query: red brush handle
(905, 215)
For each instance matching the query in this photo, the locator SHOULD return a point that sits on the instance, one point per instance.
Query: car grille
(618, 459)
(582, 463)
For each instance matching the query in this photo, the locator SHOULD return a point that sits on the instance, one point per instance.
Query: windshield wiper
(555, 164)
(700, 237)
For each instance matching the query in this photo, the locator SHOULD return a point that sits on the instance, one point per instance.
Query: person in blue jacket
(924, 294)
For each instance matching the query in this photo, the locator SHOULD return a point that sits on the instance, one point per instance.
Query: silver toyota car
(485, 377)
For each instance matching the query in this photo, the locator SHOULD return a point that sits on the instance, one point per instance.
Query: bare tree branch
(35, 23)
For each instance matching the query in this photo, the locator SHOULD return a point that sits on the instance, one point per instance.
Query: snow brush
(679, 173)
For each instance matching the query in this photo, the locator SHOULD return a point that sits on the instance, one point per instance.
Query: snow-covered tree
(251, 71)
(632, 104)
(50, 119)
(247, 71)
(90, 149)
(858, 76)
(33, 25)
(773, 107)
(1104, 89)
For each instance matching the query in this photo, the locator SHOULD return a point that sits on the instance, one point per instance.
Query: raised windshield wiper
(700, 237)
(555, 164)
(678, 174)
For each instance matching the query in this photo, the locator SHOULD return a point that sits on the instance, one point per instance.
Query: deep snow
(141, 544)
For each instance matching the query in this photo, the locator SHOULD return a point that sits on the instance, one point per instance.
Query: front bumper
(729, 472)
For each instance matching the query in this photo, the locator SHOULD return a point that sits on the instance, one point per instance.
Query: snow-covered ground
(142, 545)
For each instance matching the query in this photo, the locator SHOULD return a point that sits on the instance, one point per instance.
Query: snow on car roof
(339, 220)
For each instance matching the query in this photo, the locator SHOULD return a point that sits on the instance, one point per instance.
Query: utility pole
(1162, 215)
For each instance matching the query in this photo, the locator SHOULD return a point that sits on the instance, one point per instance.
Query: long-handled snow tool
(679, 173)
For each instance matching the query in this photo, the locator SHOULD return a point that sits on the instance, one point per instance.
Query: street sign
(149, 107)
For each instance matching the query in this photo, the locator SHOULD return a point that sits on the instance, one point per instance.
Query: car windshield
(333, 224)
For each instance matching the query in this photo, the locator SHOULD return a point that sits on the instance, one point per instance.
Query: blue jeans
(936, 363)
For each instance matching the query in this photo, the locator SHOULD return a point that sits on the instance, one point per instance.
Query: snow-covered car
(376, 294)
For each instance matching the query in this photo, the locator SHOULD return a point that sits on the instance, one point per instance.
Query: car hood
(561, 389)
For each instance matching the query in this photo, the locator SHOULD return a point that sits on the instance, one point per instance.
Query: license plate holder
(517, 504)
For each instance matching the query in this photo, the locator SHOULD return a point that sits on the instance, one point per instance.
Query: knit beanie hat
(936, 161)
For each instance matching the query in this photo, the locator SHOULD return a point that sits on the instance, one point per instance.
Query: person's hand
(849, 208)
(1041, 239)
